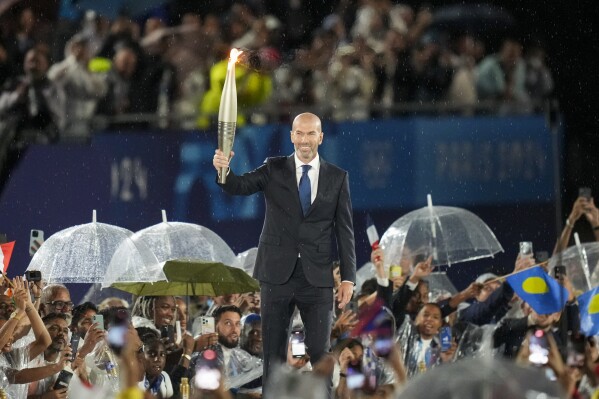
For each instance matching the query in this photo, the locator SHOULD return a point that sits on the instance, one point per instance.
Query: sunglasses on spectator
(61, 304)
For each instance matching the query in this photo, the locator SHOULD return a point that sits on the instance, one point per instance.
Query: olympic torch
(227, 113)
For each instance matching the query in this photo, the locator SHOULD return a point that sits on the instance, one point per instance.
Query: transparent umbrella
(81, 254)
(247, 260)
(440, 286)
(451, 235)
(573, 257)
(168, 241)
(484, 378)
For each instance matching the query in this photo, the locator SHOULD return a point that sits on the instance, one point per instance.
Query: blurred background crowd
(164, 65)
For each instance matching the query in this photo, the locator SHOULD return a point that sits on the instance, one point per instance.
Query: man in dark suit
(307, 200)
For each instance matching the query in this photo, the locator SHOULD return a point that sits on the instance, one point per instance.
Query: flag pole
(516, 272)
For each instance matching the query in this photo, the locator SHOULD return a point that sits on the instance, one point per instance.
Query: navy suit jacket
(287, 232)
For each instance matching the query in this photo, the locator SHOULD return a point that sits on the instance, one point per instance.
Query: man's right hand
(220, 160)
(422, 269)
(92, 337)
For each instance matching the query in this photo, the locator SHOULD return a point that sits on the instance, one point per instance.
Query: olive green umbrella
(185, 277)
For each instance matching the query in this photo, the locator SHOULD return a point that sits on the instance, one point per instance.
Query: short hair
(434, 304)
(224, 309)
(79, 311)
(51, 290)
(54, 316)
(106, 302)
(145, 334)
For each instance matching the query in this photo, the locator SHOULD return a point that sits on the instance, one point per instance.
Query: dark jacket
(287, 232)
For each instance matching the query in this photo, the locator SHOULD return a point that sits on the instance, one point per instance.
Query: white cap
(485, 277)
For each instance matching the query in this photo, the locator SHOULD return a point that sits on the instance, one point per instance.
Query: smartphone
(33, 276)
(585, 192)
(62, 382)
(74, 345)
(539, 348)
(207, 373)
(526, 249)
(355, 379)
(445, 337)
(559, 271)
(36, 239)
(168, 332)
(395, 271)
(298, 347)
(207, 325)
(98, 318)
(575, 351)
(384, 338)
(116, 337)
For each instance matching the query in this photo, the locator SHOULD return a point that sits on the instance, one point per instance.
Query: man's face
(59, 303)
(182, 313)
(306, 136)
(59, 332)
(6, 306)
(8, 346)
(84, 323)
(254, 342)
(429, 321)
(487, 290)
(164, 311)
(358, 352)
(419, 297)
(228, 329)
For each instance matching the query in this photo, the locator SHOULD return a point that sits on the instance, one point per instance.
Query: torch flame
(233, 55)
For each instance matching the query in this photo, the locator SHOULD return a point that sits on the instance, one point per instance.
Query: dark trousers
(277, 305)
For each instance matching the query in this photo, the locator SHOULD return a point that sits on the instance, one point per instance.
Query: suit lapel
(291, 180)
(323, 178)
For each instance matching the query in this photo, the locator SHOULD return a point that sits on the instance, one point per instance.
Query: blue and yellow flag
(588, 304)
(541, 291)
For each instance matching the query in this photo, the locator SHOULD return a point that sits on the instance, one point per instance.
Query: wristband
(186, 356)
(568, 223)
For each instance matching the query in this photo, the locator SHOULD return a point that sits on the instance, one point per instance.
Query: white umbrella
(450, 234)
(168, 241)
(82, 253)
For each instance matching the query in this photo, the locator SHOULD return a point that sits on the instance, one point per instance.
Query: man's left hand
(344, 293)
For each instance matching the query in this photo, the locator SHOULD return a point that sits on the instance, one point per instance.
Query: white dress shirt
(312, 174)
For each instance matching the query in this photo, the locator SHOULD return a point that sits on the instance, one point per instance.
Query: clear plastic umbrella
(573, 257)
(451, 235)
(82, 253)
(484, 378)
(169, 241)
(440, 286)
(247, 260)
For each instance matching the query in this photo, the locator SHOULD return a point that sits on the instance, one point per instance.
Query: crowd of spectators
(62, 78)
(394, 333)
(360, 60)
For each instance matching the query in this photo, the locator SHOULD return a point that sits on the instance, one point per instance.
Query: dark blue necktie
(305, 191)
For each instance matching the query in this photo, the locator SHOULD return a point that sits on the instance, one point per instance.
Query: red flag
(7, 251)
